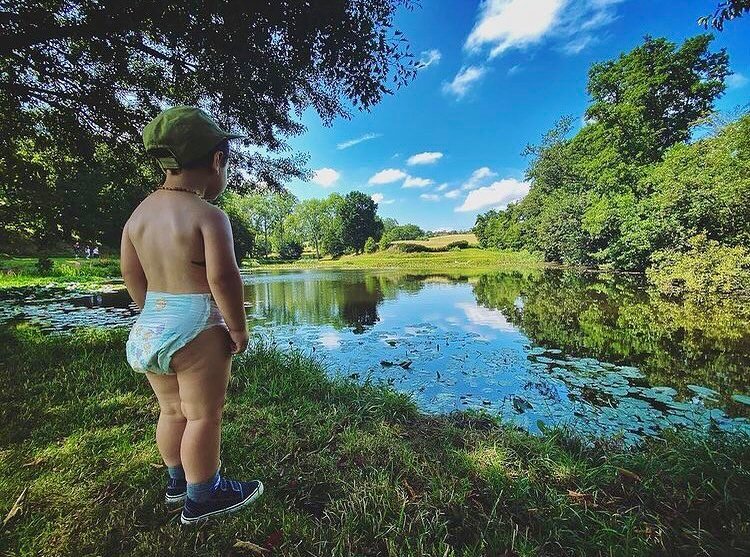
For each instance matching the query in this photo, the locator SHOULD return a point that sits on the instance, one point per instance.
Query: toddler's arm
(131, 269)
(224, 276)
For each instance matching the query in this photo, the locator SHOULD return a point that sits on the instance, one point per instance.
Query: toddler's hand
(238, 342)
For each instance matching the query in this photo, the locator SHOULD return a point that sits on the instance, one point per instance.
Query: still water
(599, 353)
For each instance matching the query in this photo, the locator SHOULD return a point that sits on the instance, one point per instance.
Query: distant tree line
(632, 188)
(278, 223)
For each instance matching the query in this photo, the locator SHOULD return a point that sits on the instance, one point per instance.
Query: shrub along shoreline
(350, 469)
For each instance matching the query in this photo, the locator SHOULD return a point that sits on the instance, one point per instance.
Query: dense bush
(706, 268)
(290, 249)
(44, 265)
(408, 247)
(370, 245)
(458, 244)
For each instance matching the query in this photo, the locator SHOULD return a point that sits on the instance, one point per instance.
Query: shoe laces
(225, 485)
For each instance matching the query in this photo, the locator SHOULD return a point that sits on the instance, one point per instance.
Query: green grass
(349, 469)
(437, 242)
(23, 271)
(466, 261)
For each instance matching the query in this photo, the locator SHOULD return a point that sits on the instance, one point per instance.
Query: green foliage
(706, 268)
(242, 231)
(460, 244)
(627, 184)
(408, 247)
(290, 250)
(359, 220)
(726, 11)
(44, 265)
(370, 245)
(648, 98)
(113, 69)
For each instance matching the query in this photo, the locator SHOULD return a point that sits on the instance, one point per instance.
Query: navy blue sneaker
(176, 491)
(228, 497)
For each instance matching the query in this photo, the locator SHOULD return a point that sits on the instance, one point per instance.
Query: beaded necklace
(181, 189)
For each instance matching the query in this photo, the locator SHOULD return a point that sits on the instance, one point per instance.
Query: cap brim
(233, 136)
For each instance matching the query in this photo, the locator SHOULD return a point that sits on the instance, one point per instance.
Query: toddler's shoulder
(214, 217)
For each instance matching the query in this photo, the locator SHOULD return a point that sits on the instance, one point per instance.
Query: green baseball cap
(182, 134)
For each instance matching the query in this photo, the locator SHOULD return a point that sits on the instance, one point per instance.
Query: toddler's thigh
(202, 367)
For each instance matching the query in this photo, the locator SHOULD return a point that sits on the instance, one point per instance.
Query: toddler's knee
(203, 413)
(172, 410)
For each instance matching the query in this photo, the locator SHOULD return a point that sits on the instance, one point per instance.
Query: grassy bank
(26, 271)
(465, 261)
(349, 470)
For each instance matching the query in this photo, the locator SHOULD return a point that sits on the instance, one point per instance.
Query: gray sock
(202, 491)
(176, 472)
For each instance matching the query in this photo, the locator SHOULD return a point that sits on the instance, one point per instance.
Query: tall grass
(350, 469)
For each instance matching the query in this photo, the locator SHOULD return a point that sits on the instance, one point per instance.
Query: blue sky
(447, 147)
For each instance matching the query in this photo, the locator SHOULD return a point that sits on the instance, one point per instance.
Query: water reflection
(595, 351)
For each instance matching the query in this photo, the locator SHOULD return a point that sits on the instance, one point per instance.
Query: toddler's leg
(171, 421)
(202, 367)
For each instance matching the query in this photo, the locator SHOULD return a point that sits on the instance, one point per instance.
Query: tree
(726, 11)
(242, 230)
(313, 217)
(650, 97)
(251, 64)
(627, 183)
(358, 215)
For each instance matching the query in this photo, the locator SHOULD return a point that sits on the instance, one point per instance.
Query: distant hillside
(442, 241)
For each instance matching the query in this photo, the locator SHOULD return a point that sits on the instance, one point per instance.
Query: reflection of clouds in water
(331, 340)
(479, 315)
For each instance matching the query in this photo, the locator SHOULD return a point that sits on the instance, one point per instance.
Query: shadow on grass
(349, 469)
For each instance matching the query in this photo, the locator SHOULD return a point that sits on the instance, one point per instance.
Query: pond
(597, 352)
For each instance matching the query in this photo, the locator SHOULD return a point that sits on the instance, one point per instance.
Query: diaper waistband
(152, 293)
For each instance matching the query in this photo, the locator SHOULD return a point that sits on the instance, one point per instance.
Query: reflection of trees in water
(359, 303)
(342, 300)
(613, 319)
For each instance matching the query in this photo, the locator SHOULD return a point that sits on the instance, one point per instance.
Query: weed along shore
(350, 468)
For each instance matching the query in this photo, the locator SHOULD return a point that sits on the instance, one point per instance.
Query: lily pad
(704, 392)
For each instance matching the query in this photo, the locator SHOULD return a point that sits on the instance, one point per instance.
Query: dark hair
(206, 160)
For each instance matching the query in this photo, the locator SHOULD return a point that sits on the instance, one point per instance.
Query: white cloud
(464, 79)
(428, 58)
(513, 70)
(330, 340)
(380, 199)
(479, 315)
(578, 44)
(428, 157)
(736, 80)
(505, 24)
(441, 187)
(414, 182)
(498, 194)
(430, 196)
(452, 194)
(387, 176)
(353, 142)
(326, 177)
(476, 178)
